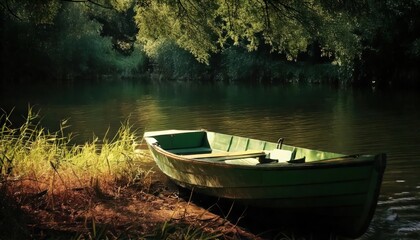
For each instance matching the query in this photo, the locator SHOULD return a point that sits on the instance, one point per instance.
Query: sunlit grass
(45, 171)
(30, 152)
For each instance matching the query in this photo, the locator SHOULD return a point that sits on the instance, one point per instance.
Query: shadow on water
(265, 223)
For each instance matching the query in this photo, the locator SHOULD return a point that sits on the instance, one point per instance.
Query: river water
(312, 116)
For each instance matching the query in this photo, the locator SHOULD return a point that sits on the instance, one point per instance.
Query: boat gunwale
(345, 161)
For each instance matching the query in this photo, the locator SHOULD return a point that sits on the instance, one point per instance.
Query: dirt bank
(116, 212)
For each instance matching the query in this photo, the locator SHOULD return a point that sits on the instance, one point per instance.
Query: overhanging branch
(90, 1)
(7, 7)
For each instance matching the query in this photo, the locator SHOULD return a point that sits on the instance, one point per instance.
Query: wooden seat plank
(239, 154)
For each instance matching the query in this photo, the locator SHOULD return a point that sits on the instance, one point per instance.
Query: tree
(72, 45)
(352, 34)
(205, 27)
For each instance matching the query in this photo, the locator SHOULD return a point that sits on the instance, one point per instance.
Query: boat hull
(341, 193)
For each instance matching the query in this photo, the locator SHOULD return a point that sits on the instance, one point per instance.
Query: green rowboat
(341, 191)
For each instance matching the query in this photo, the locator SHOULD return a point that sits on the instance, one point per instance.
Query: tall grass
(30, 152)
(42, 163)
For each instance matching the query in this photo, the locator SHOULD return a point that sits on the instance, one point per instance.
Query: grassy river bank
(104, 189)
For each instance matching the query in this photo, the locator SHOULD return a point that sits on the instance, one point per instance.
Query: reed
(45, 164)
(31, 153)
(45, 172)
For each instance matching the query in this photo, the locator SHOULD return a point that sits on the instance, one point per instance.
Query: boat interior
(203, 145)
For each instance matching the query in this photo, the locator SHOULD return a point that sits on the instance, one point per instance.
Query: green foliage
(159, 21)
(288, 27)
(79, 43)
(238, 64)
(79, 38)
(119, 25)
(173, 62)
(34, 11)
(82, 50)
(72, 47)
(203, 28)
(122, 5)
(241, 65)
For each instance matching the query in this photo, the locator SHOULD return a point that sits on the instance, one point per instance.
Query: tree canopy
(205, 27)
(351, 34)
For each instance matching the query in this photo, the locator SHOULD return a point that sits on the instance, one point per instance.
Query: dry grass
(104, 189)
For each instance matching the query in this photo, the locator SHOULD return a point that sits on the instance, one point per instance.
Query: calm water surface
(341, 120)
